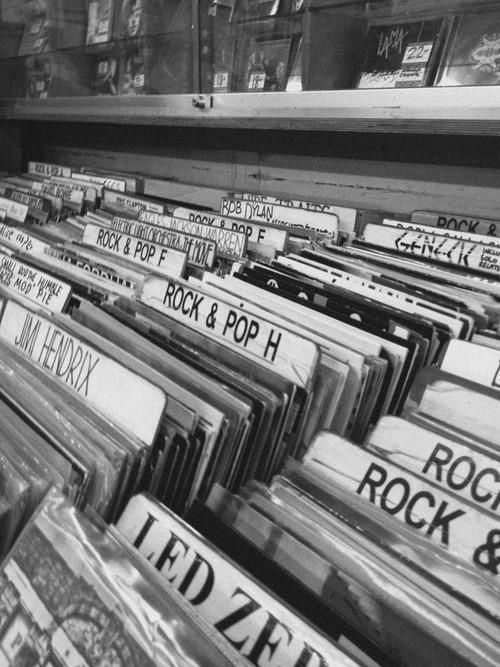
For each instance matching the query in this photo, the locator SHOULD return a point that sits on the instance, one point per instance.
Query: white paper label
(293, 356)
(159, 258)
(418, 53)
(66, 193)
(347, 216)
(473, 475)
(256, 81)
(324, 223)
(35, 285)
(450, 523)
(113, 198)
(47, 169)
(15, 211)
(111, 183)
(221, 82)
(430, 246)
(450, 233)
(245, 614)
(13, 237)
(229, 242)
(473, 362)
(255, 233)
(454, 221)
(124, 397)
(200, 252)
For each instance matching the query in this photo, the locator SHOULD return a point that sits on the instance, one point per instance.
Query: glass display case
(409, 65)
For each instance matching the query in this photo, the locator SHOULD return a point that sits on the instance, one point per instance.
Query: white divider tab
(47, 169)
(293, 356)
(457, 222)
(127, 399)
(255, 233)
(227, 598)
(37, 286)
(451, 524)
(159, 258)
(473, 362)
(200, 252)
(230, 243)
(16, 238)
(450, 233)
(323, 223)
(459, 253)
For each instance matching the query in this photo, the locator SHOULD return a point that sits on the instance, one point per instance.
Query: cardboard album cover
(472, 57)
(400, 55)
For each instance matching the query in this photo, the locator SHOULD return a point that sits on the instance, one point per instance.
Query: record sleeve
(472, 57)
(399, 55)
(71, 593)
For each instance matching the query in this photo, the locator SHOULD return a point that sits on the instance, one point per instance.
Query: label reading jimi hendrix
(124, 397)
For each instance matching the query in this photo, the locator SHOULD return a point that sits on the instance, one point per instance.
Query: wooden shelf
(461, 110)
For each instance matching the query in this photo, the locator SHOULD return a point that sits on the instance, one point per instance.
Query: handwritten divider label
(449, 233)
(255, 233)
(69, 195)
(450, 523)
(291, 355)
(473, 362)
(457, 222)
(13, 237)
(47, 169)
(347, 216)
(473, 474)
(324, 223)
(114, 198)
(261, 628)
(459, 253)
(26, 198)
(229, 243)
(89, 191)
(124, 397)
(14, 211)
(200, 252)
(35, 285)
(159, 258)
(106, 182)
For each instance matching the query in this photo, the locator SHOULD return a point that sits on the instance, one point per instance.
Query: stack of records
(159, 358)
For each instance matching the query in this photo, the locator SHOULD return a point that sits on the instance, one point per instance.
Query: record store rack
(380, 109)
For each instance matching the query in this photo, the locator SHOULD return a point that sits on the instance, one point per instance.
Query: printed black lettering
(75, 362)
(168, 555)
(440, 457)
(88, 372)
(28, 336)
(169, 294)
(185, 308)
(442, 521)
(230, 321)
(272, 345)
(264, 642)
(413, 501)
(390, 505)
(474, 488)
(208, 583)
(307, 654)
(236, 616)
(370, 479)
(198, 299)
(144, 530)
(463, 479)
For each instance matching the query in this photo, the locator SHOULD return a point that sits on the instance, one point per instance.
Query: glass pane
(293, 45)
(52, 48)
(66, 48)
